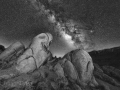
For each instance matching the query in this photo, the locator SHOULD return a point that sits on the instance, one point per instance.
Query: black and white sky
(20, 21)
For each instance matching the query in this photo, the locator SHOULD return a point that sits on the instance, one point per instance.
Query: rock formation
(34, 68)
(32, 58)
(83, 65)
(36, 54)
(10, 54)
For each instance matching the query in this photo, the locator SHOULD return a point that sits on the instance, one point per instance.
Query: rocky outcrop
(34, 68)
(83, 65)
(32, 58)
(36, 54)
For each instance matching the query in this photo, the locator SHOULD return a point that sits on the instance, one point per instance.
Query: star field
(20, 21)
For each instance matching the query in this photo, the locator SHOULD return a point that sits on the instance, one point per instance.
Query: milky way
(99, 21)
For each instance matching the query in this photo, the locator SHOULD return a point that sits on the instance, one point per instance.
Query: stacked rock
(36, 69)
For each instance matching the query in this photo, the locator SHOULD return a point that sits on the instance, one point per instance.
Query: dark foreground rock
(34, 68)
(2, 48)
(107, 74)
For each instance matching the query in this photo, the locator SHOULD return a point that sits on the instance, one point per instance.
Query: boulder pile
(34, 68)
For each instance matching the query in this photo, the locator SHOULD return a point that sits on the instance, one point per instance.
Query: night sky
(20, 21)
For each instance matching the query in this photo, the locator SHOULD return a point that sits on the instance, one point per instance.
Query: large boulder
(36, 54)
(83, 65)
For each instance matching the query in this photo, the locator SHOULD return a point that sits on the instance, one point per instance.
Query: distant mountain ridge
(107, 57)
(114, 49)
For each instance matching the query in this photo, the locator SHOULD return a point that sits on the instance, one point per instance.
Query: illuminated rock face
(36, 54)
(36, 68)
(11, 54)
(82, 66)
(13, 49)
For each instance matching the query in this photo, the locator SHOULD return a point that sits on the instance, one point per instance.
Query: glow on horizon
(68, 39)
